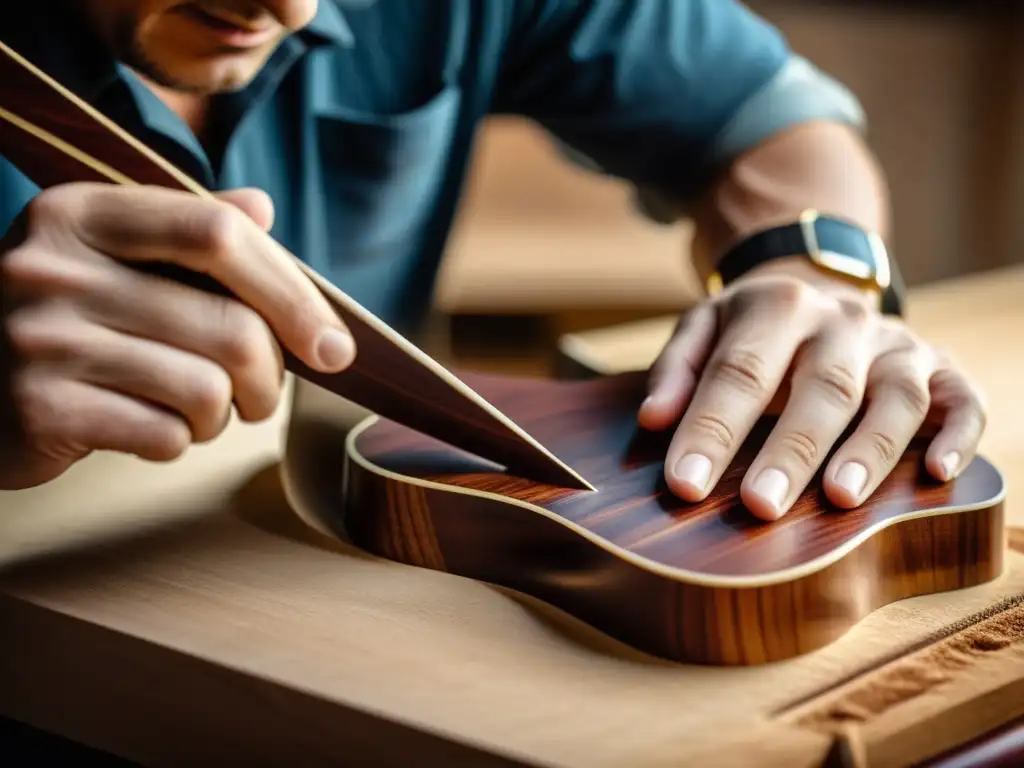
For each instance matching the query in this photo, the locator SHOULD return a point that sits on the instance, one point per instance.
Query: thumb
(254, 203)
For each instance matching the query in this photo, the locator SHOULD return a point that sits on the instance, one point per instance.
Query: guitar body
(705, 583)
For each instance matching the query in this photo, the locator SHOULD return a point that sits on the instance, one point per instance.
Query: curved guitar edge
(667, 612)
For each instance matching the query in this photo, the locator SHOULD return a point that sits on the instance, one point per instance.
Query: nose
(292, 14)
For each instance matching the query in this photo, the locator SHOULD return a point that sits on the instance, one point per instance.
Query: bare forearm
(820, 165)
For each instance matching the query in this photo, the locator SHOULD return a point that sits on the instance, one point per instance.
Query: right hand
(100, 356)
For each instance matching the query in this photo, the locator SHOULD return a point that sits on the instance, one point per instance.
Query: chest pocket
(382, 173)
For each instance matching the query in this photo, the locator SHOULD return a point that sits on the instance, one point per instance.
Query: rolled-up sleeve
(662, 93)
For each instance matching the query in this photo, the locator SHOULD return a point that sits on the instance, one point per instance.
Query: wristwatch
(834, 245)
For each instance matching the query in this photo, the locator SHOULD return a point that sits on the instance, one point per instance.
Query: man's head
(198, 46)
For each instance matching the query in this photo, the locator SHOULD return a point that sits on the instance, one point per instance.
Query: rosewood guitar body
(704, 583)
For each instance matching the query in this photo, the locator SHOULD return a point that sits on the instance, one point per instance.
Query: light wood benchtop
(182, 615)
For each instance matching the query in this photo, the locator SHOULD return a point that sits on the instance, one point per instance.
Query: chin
(225, 82)
(207, 77)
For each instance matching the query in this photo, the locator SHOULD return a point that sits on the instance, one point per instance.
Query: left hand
(825, 351)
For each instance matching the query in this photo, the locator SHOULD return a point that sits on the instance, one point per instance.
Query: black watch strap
(792, 240)
(759, 248)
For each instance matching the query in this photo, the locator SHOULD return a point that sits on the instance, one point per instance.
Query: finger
(214, 327)
(64, 346)
(65, 417)
(963, 422)
(898, 403)
(115, 296)
(254, 203)
(741, 377)
(826, 390)
(213, 238)
(674, 374)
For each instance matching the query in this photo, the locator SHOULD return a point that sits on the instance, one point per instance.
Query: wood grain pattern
(55, 138)
(703, 583)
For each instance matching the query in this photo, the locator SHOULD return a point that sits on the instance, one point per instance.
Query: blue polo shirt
(361, 126)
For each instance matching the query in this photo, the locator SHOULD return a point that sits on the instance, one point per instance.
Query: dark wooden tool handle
(30, 109)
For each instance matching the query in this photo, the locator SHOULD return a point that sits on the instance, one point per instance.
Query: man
(356, 120)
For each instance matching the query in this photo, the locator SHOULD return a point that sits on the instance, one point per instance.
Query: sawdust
(913, 675)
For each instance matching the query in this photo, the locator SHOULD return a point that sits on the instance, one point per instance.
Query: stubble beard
(131, 52)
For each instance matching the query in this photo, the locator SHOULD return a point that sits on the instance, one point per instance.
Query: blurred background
(542, 248)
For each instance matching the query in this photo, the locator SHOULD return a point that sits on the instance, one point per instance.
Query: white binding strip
(672, 572)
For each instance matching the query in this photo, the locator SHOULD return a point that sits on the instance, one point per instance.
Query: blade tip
(582, 481)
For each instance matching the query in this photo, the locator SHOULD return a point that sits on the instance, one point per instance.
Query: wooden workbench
(183, 614)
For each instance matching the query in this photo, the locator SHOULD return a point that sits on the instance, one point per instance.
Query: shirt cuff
(799, 93)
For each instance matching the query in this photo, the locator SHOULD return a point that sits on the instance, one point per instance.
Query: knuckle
(52, 206)
(854, 311)
(884, 446)
(44, 330)
(840, 383)
(244, 337)
(789, 293)
(211, 397)
(306, 326)
(24, 266)
(781, 292)
(167, 439)
(265, 403)
(219, 230)
(802, 447)
(913, 393)
(39, 405)
(717, 429)
(744, 369)
(22, 334)
(20, 265)
(35, 269)
(29, 332)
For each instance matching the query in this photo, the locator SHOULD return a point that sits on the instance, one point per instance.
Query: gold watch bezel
(854, 270)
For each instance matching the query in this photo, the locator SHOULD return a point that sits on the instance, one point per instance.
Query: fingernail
(772, 486)
(951, 463)
(335, 350)
(658, 397)
(852, 477)
(695, 470)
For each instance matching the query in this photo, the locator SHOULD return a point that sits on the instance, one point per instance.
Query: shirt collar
(329, 25)
(81, 64)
